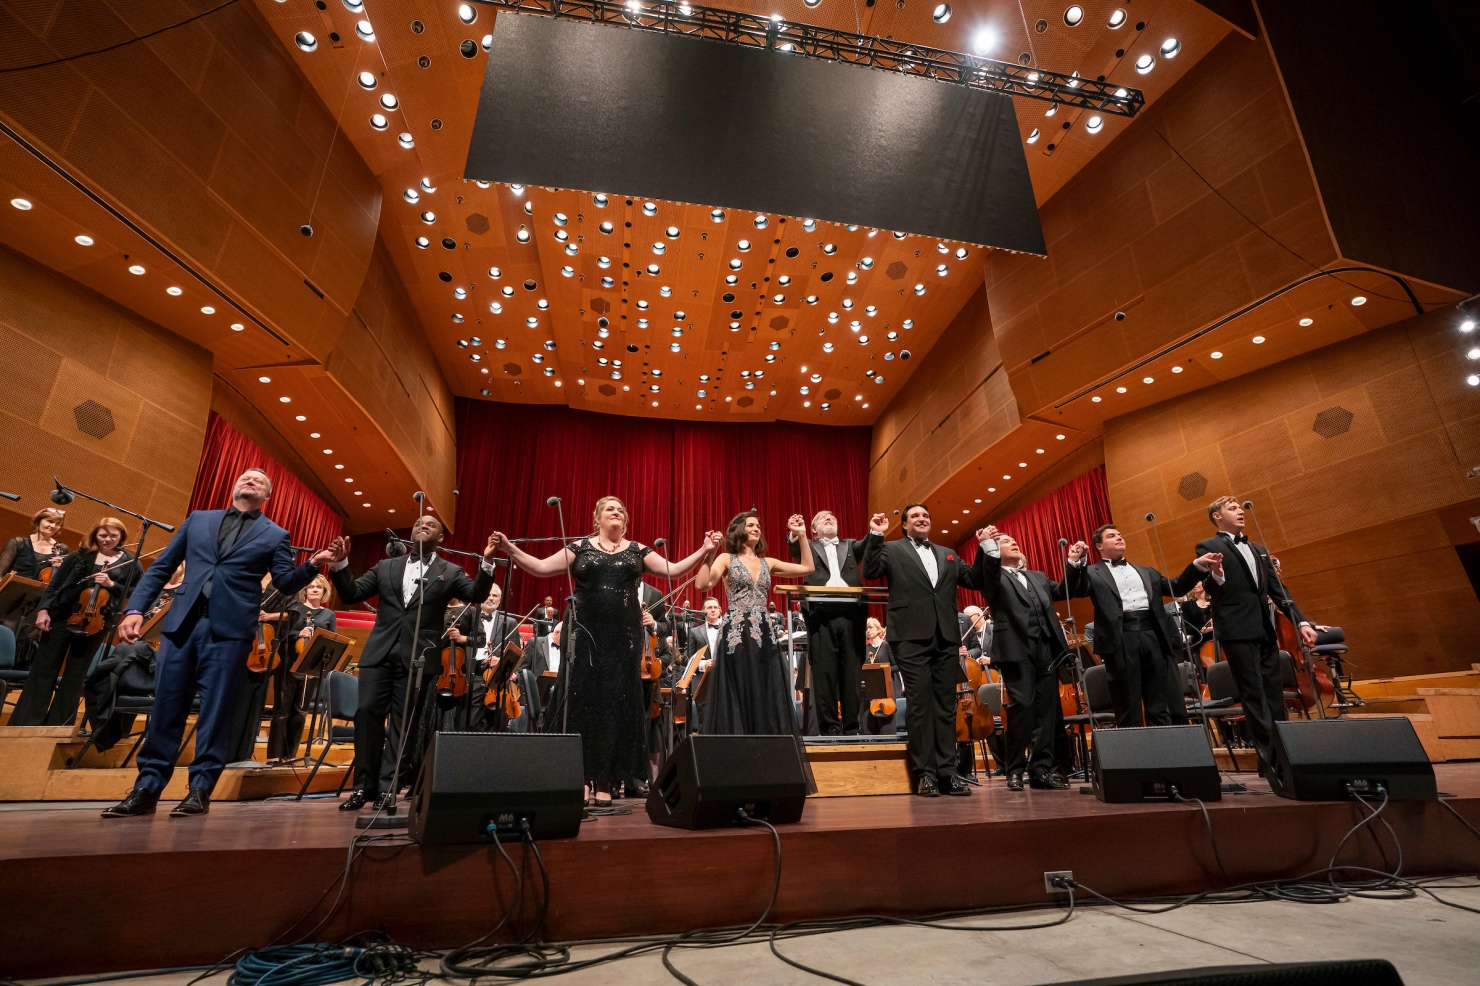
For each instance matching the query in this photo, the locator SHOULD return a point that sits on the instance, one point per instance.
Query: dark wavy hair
(735, 534)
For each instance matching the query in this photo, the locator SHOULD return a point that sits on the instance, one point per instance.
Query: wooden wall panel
(65, 346)
(1352, 455)
(384, 362)
(242, 415)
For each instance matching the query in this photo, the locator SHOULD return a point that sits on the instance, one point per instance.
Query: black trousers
(1032, 700)
(1138, 676)
(835, 649)
(285, 732)
(930, 672)
(382, 694)
(44, 700)
(1259, 686)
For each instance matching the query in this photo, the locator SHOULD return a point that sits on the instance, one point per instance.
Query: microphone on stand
(659, 543)
(553, 501)
(395, 547)
(418, 496)
(61, 496)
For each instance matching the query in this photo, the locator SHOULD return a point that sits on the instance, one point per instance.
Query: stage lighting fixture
(984, 41)
(940, 15)
(1073, 15)
(1117, 18)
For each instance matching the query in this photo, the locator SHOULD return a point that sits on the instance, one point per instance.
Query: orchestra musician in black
(835, 627)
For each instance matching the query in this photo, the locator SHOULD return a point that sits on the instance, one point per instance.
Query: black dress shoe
(384, 801)
(357, 800)
(928, 788)
(998, 772)
(197, 802)
(1015, 781)
(137, 803)
(1048, 782)
(637, 790)
(952, 784)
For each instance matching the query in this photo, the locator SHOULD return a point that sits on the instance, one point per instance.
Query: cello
(1312, 683)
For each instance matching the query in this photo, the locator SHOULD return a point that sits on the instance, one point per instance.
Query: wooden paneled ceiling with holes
(603, 302)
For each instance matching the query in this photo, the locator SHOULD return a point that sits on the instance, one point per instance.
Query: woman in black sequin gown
(599, 694)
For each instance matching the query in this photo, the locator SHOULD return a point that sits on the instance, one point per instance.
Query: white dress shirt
(1133, 598)
(414, 571)
(552, 651)
(711, 630)
(486, 651)
(834, 563)
(927, 558)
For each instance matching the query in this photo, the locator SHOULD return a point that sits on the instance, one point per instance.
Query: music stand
(324, 653)
(546, 684)
(19, 594)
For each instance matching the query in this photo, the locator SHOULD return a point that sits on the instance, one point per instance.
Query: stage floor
(87, 894)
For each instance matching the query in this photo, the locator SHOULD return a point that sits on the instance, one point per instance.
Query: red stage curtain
(677, 478)
(228, 453)
(1072, 511)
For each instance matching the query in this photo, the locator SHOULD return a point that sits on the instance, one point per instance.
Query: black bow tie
(1238, 538)
(919, 542)
(1116, 562)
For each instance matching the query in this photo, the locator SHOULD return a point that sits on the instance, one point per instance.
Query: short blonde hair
(1218, 505)
(601, 505)
(322, 583)
(873, 624)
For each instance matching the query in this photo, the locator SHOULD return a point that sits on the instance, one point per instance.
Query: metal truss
(751, 31)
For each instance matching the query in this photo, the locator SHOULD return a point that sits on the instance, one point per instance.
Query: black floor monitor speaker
(1342, 972)
(1330, 759)
(1136, 764)
(709, 777)
(474, 787)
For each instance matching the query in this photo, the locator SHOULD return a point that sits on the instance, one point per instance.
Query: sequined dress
(603, 675)
(751, 690)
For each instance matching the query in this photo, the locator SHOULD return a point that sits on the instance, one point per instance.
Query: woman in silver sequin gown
(750, 683)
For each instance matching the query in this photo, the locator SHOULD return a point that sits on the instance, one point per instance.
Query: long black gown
(601, 676)
(750, 689)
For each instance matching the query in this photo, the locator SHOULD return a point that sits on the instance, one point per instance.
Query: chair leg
(185, 741)
(137, 743)
(344, 779)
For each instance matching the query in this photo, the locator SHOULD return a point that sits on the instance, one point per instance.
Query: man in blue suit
(207, 634)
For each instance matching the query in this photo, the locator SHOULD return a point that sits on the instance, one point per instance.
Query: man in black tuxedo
(418, 582)
(483, 630)
(1134, 634)
(707, 633)
(1027, 643)
(835, 628)
(924, 639)
(1242, 584)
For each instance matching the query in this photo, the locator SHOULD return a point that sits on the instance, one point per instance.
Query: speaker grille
(93, 419)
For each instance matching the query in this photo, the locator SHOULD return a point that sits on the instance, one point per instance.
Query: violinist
(1243, 585)
(27, 554)
(311, 610)
(484, 631)
(1196, 613)
(128, 669)
(78, 609)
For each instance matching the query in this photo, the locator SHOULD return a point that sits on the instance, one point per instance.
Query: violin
(652, 665)
(509, 700)
(453, 681)
(262, 657)
(89, 614)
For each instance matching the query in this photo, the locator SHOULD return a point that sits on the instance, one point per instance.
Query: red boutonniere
(950, 557)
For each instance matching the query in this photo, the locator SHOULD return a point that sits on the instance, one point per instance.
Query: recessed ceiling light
(1307, 321)
(1094, 124)
(405, 141)
(1120, 390)
(368, 80)
(207, 310)
(264, 379)
(649, 209)
(1148, 380)
(428, 217)
(941, 14)
(306, 41)
(522, 236)
(173, 291)
(1073, 15)
(22, 204)
(379, 122)
(1468, 325)
(466, 13)
(82, 239)
(1096, 399)
(1473, 380)
(313, 434)
(364, 30)
(1117, 18)
(237, 326)
(517, 189)
(1022, 465)
(389, 101)
(1170, 47)
(1258, 340)
(1358, 301)
(299, 417)
(1033, 137)
(286, 400)
(1216, 355)
(1176, 369)
(1145, 63)
(411, 195)
(919, 289)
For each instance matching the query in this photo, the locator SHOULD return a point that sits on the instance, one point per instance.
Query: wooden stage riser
(194, 907)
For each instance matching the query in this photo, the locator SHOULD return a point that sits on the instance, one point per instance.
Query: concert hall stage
(81, 894)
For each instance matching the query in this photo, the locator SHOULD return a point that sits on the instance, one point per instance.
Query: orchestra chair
(1101, 711)
(8, 671)
(989, 696)
(137, 704)
(1221, 705)
(343, 703)
(1331, 648)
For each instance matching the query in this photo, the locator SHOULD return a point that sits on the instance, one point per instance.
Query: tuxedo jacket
(1241, 603)
(395, 618)
(235, 574)
(978, 641)
(537, 656)
(850, 556)
(1096, 582)
(698, 636)
(918, 610)
(470, 623)
(1013, 608)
